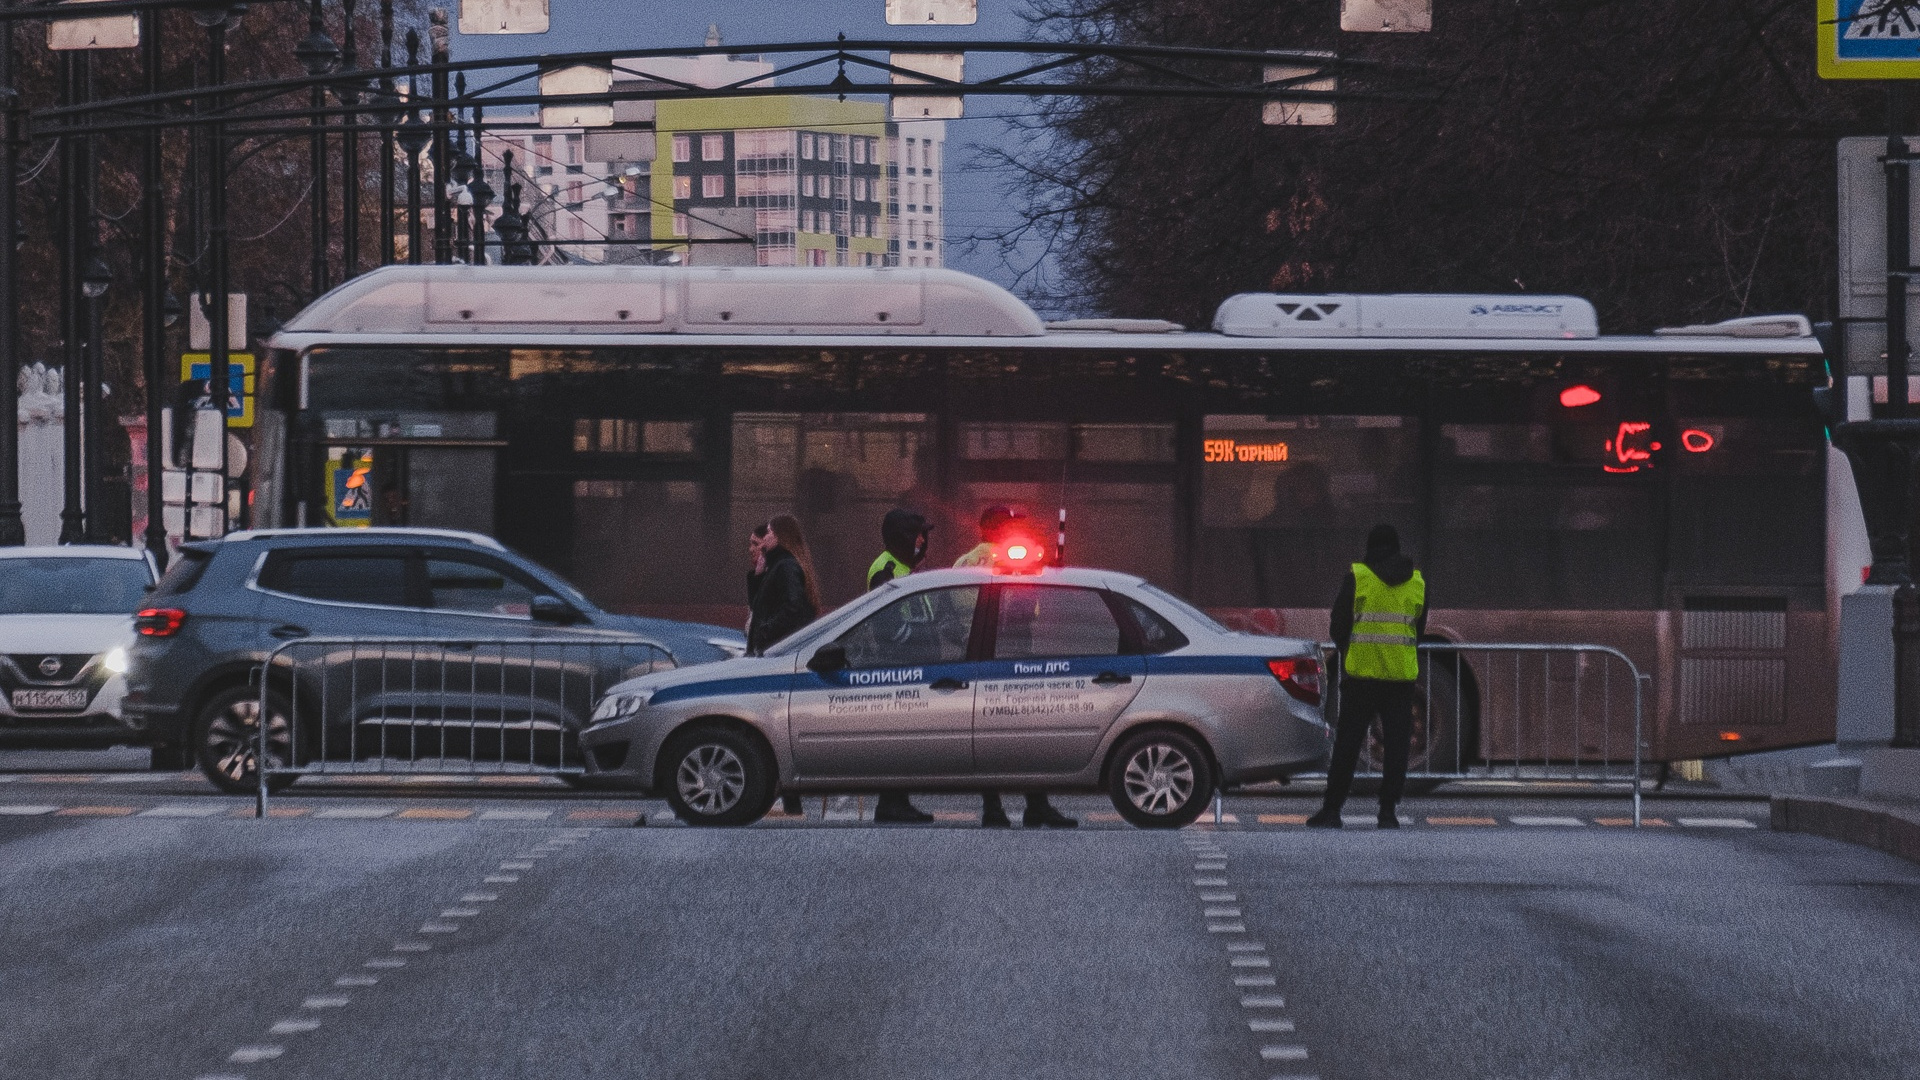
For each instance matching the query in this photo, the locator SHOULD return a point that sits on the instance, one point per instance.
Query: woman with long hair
(785, 597)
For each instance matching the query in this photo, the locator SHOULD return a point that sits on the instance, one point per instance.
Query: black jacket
(780, 605)
(1392, 569)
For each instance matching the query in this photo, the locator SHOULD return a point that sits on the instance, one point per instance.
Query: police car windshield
(1183, 607)
(72, 586)
(824, 626)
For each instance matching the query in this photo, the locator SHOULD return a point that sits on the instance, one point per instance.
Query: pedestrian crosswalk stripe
(515, 815)
(188, 810)
(96, 811)
(1717, 823)
(1461, 821)
(1618, 822)
(26, 811)
(436, 813)
(1560, 821)
(355, 812)
(1282, 819)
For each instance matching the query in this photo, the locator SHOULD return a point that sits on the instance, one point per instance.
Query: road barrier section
(493, 706)
(1525, 712)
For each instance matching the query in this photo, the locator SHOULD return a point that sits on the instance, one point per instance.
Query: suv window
(340, 577)
(477, 586)
(1054, 620)
(930, 627)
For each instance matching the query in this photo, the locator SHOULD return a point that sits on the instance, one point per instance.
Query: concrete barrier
(1892, 828)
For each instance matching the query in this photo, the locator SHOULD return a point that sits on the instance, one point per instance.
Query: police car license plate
(49, 699)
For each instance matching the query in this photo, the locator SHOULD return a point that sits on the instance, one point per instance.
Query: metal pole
(92, 399)
(461, 236)
(318, 56)
(215, 298)
(350, 157)
(1899, 255)
(153, 325)
(12, 531)
(415, 234)
(73, 243)
(442, 156)
(482, 191)
(386, 137)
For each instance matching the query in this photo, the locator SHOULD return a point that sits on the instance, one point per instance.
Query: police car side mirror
(828, 658)
(552, 609)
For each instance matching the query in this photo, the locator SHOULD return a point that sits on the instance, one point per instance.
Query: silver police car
(963, 680)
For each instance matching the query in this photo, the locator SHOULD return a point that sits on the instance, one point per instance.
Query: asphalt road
(145, 947)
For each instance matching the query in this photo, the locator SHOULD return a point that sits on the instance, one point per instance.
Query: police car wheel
(718, 777)
(226, 739)
(1160, 780)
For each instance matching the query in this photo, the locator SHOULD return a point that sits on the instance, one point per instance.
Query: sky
(976, 202)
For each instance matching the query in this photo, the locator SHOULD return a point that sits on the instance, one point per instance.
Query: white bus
(1664, 494)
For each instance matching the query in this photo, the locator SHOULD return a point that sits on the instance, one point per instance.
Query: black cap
(1382, 540)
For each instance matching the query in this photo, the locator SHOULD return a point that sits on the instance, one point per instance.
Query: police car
(1013, 676)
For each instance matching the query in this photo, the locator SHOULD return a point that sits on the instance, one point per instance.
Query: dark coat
(779, 603)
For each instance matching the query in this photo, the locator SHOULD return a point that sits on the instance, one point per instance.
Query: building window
(859, 151)
(679, 224)
(806, 146)
(683, 148)
(713, 186)
(713, 148)
(683, 187)
(573, 149)
(806, 185)
(576, 193)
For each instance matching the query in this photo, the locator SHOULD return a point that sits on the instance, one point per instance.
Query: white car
(964, 680)
(66, 621)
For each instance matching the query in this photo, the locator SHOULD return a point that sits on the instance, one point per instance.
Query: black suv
(224, 606)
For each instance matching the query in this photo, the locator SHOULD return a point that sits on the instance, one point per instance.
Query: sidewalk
(1885, 824)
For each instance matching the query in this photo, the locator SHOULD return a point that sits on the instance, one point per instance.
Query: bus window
(637, 546)
(1286, 502)
(1749, 500)
(839, 473)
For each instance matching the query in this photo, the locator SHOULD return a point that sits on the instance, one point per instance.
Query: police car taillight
(1299, 676)
(1021, 556)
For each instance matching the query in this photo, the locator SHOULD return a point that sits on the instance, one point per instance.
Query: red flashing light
(1020, 555)
(1730, 736)
(1696, 441)
(1574, 397)
(159, 622)
(1299, 677)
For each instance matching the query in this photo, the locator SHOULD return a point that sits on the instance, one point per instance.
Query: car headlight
(733, 647)
(115, 661)
(617, 706)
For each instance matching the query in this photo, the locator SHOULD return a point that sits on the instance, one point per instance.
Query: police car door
(903, 705)
(1059, 677)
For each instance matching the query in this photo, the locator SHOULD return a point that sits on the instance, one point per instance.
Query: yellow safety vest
(1382, 646)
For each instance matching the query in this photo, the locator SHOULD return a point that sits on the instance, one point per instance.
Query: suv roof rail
(378, 530)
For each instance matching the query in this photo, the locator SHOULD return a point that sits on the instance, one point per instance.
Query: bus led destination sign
(1228, 450)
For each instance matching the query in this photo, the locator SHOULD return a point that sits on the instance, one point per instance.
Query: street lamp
(96, 279)
(413, 138)
(170, 311)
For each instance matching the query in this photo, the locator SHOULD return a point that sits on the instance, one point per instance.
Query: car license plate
(49, 699)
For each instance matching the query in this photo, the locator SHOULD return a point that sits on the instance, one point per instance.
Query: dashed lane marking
(1222, 913)
(293, 1027)
(479, 897)
(1219, 897)
(385, 962)
(1717, 823)
(1270, 1025)
(1262, 1001)
(1204, 882)
(253, 1055)
(1283, 1053)
(26, 811)
(1245, 946)
(459, 912)
(326, 1001)
(1549, 822)
(500, 879)
(1253, 980)
(1227, 928)
(1250, 962)
(439, 927)
(357, 980)
(520, 864)
(411, 946)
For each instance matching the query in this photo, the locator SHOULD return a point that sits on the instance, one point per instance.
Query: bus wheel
(1442, 736)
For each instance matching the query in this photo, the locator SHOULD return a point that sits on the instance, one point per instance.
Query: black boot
(1388, 820)
(992, 814)
(1327, 818)
(895, 809)
(1041, 815)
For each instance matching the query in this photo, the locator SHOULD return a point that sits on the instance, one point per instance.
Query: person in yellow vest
(1377, 620)
(903, 535)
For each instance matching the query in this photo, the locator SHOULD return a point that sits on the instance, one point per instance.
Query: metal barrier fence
(488, 706)
(1521, 712)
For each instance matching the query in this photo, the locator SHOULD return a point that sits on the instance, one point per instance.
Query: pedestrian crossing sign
(196, 375)
(1869, 39)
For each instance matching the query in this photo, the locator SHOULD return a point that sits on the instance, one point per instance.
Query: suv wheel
(226, 737)
(718, 777)
(1160, 780)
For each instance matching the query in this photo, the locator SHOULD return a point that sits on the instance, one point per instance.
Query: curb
(1894, 830)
